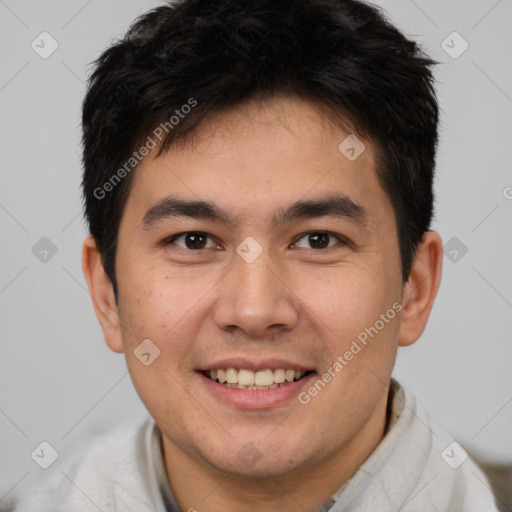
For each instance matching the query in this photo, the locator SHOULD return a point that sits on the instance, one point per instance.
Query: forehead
(259, 157)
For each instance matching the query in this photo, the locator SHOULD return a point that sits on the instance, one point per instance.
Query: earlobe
(102, 294)
(421, 288)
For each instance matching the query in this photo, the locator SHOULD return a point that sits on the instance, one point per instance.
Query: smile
(247, 379)
(259, 380)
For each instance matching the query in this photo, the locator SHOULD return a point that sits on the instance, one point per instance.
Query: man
(258, 186)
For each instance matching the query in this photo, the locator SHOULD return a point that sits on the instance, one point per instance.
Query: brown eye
(192, 240)
(318, 240)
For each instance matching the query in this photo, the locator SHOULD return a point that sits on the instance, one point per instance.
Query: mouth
(262, 380)
(254, 385)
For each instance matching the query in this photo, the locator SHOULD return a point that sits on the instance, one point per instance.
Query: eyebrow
(332, 206)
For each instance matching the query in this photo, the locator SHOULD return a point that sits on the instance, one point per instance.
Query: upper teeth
(261, 378)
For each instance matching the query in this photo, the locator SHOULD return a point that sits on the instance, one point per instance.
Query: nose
(256, 299)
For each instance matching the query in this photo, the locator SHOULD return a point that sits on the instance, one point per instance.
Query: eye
(193, 240)
(319, 240)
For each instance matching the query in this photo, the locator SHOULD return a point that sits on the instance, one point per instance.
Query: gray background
(58, 380)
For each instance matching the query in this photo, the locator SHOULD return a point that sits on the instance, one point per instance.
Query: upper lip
(255, 366)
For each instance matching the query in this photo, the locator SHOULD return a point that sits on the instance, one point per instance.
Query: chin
(258, 461)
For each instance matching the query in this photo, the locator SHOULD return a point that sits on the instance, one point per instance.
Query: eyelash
(342, 240)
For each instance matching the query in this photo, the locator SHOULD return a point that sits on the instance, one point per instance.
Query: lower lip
(256, 398)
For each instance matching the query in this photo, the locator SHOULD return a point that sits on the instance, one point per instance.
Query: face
(292, 258)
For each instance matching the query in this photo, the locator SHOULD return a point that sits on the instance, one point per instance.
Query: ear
(421, 288)
(102, 294)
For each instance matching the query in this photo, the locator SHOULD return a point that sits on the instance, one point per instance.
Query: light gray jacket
(416, 468)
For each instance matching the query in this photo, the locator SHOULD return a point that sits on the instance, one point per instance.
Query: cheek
(163, 313)
(346, 300)
(156, 307)
(354, 316)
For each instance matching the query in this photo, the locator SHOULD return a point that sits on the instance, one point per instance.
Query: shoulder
(450, 479)
(109, 468)
(417, 467)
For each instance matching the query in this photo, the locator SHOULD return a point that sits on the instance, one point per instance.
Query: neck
(201, 488)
